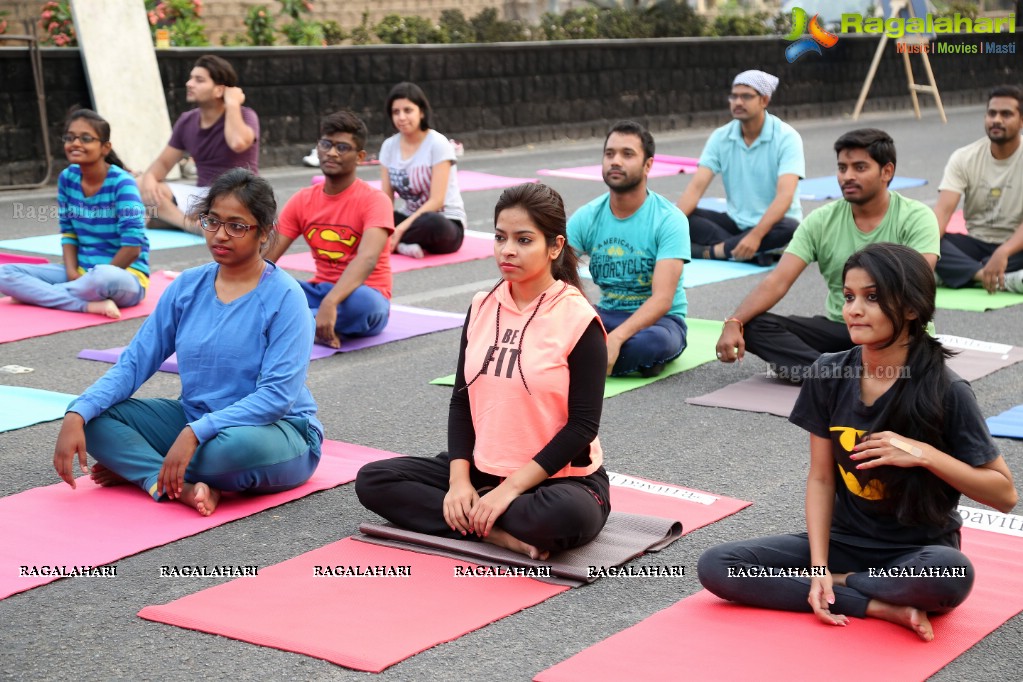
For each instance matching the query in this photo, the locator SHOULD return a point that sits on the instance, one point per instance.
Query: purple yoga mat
(405, 322)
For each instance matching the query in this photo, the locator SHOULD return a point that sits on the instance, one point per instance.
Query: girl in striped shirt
(102, 220)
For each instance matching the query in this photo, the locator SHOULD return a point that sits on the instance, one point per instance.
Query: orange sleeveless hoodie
(516, 362)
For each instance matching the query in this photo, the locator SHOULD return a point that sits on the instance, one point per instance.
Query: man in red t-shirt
(347, 225)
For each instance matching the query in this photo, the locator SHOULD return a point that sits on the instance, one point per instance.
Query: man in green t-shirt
(867, 213)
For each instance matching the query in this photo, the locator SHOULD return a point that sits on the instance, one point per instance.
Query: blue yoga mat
(21, 407)
(818, 189)
(49, 244)
(1008, 424)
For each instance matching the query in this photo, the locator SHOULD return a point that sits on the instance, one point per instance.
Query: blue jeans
(47, 286)
(659, 343)
(132, 438)
(363, 313)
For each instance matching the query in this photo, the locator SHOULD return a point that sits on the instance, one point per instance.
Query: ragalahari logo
(817, 39)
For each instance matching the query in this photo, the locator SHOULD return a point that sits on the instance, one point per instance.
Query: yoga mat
(474, 247)
(975, 299)
(405, 322)
(20, 407)
(702, 338)
(7, 258)
(28, 321)
(49, 244)
(699, 272)
(689, 163)
(365, 623)
(659, 169)
(760, 393)
(826, 187)
(781, 646)
(1008, 424)
(623, 538)
(48, 526)
(646, 516)
(956, 224)
(468, 181)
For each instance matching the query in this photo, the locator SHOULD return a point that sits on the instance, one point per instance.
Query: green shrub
(491, 29)
(455, 28)
(333, 34)
(259, 26)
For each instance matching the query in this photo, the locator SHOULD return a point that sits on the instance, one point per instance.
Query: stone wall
(500, 95)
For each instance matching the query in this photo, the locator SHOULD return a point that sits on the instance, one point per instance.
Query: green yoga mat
(975, 299)
(702, 339)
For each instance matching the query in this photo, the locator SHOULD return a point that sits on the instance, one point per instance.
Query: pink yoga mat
(659, 169)
(366, 623)
(6, 258)
(784, 646)
(372, 623)
(405, 323)
(956, 224)
(473, 248)
(28, 321)
(468, 181)
(47, 526)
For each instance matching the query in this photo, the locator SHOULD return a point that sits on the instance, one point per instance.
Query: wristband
(735, 320)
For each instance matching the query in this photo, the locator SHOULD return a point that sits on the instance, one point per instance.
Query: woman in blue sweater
(245, 420)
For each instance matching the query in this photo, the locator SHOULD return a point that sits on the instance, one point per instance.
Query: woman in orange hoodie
(524, 465)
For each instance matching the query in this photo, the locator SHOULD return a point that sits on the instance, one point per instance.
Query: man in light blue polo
(760, 159)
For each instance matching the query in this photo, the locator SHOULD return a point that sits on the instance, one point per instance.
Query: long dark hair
(102, 128)
(547, 212)
(905, 294)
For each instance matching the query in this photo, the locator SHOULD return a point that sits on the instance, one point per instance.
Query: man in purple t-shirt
(219, 134)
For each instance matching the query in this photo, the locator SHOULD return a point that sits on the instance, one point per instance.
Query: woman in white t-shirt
(417, 163)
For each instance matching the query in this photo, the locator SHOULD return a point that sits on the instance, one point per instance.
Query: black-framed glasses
(744, 96)
(211, 224)
(86, 138)
(342, 148)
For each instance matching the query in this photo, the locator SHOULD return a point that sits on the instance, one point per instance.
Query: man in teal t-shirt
(868, 213)
(760, 160)
(637, 242)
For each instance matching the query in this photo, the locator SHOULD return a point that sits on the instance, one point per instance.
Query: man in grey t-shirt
(989, 175)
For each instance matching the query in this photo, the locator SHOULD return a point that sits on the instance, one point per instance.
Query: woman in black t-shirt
(895, 438)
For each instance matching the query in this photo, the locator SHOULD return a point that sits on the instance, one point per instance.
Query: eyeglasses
(744, 96)
(342, 148)
(211, 224)
(86, 138)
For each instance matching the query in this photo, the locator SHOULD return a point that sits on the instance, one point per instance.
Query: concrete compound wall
(499, 95)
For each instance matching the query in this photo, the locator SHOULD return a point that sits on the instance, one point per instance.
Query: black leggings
(435, 232)
(934, 594)
(707, 228)
(558, 514)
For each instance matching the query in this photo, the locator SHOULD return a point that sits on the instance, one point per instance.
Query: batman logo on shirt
(873, 489)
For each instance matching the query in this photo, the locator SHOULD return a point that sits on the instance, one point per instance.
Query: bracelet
(735, 320)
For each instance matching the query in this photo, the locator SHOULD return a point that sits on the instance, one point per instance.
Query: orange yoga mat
(42, 527)
(698, 638)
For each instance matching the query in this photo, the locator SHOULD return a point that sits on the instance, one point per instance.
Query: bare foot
(105, 307)
(105, 477)
(504, 539)
(200, 496)
(906, 616)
